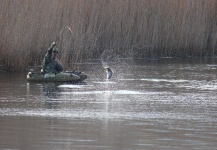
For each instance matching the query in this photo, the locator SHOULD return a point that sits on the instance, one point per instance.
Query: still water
(162, 104)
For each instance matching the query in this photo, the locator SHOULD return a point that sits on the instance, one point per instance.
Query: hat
(55, 50)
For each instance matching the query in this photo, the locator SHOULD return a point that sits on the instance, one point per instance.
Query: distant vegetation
(85, 28)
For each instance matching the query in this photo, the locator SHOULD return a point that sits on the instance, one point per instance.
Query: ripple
(74, 86)
(200, 85)
(165, 80)
(67, 113)
(106, 82)
(118, 92)
(128, 92)
(157, 80)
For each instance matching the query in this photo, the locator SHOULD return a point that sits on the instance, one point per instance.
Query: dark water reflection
(156, 104)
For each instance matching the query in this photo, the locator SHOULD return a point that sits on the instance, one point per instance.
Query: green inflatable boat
(65, 76)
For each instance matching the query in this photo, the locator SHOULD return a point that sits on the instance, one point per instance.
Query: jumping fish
(109, 73)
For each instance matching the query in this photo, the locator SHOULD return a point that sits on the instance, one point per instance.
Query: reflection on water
(159, 104)
(50, 91)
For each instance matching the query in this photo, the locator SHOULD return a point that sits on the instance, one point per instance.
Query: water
(157, 104)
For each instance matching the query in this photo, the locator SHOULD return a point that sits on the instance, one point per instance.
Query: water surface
(154, 104)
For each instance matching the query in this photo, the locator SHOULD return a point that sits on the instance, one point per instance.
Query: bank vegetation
(84, 29)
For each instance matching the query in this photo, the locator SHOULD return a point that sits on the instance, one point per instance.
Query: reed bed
(84, 29)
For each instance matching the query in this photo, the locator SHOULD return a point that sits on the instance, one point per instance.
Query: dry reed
(131, 28)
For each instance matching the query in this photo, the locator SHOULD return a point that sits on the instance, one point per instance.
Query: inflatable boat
(65, 76)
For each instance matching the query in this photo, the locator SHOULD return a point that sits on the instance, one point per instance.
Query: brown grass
(131, 28)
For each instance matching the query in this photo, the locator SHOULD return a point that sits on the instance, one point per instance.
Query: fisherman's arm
(49, 52)
(47, 57)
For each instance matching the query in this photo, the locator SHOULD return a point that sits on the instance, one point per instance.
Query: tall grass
(131, 28)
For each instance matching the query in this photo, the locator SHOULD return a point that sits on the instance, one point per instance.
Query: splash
(106, 58)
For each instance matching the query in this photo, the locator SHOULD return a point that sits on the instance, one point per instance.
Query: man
(50, 63)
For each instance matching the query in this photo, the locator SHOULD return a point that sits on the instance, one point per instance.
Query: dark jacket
(51, 65)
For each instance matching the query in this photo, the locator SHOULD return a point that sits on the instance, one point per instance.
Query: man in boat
(50, 63)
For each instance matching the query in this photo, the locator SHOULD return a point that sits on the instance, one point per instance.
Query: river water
(166, 104)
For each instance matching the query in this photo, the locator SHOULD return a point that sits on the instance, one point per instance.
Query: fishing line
(61, 31)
